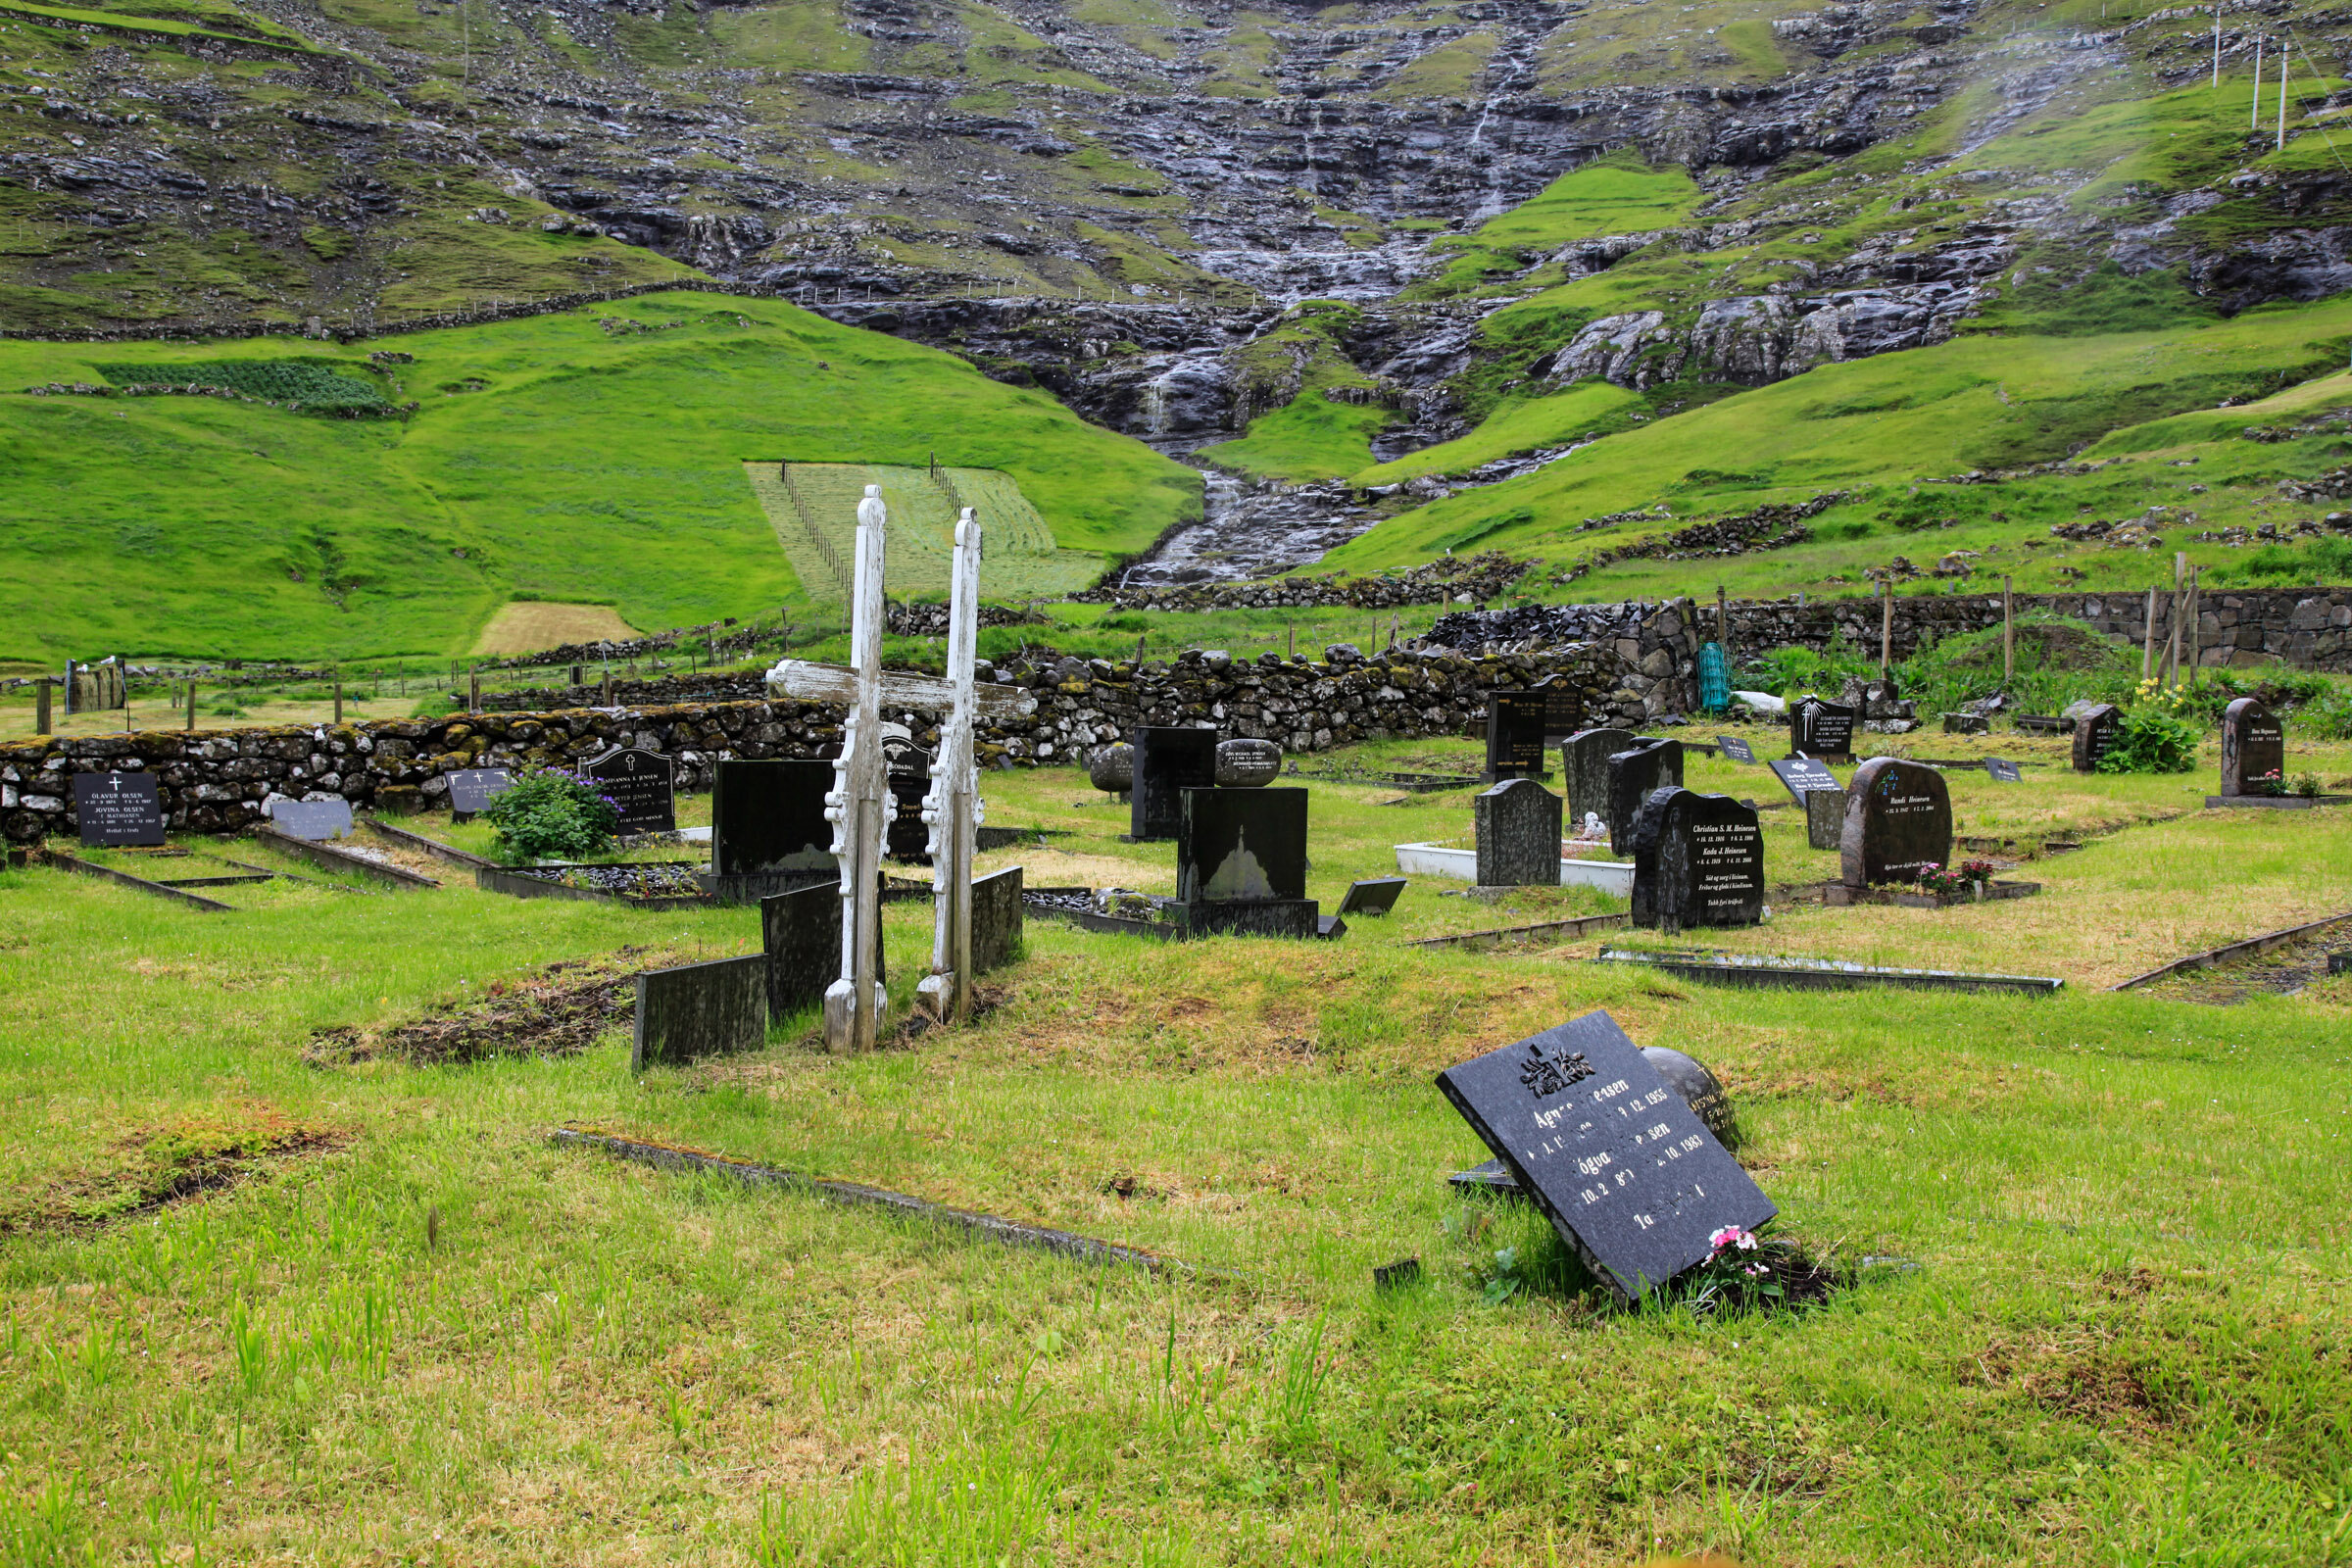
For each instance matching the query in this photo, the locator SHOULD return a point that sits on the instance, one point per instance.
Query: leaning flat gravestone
(996, 919)
(1373, 895)
(314, 820)
(472, 789)
(700, 1009)
(1821, 730)
(2001, 770)
(1733, 747)
(1633, 774)
(1168, 761)
(115, 811)
(638, 782)
(1518, 835)
(769, 817)
(2253, 750)
(1698, 860)
(1899, 820)
(2096, 731)
(1802, 775)
(1686, 1075)
(1585, 769)
(1623, 1169)
(1515, 733)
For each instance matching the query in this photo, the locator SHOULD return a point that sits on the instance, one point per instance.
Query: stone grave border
(2230, 953)
(1410, 783)
(1543, 933)
(2276, 802)
(531, 882)
(306, 881)
(854, 1195)
(107, 873)
(334, 860)
(1821, 974)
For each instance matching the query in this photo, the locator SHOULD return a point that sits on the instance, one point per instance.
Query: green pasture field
(259, 1309)
(551, 457)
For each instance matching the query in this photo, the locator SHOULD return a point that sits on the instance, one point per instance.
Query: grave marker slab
(1633, 773)
(1802, 775)
(1899, 820)
(1518, 835)
(769, 816)
(700, 1009)
(1515, 733)
(997, 911)
(1373, 895)
(1620, 1164)
(799, 938)
(116, 811)
(1242, 846)
(1738, 750)
(1825, 818)
(2096, 731)
(1167, 763)
(1585, 769)
(1698, 860)
(640, 785)
(1563, 710)
(472, 789)
(2001, 770)
(1821, 730)
(2253, 750)
(315, 821)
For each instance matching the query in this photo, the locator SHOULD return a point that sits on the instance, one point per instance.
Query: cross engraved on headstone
(953, 808)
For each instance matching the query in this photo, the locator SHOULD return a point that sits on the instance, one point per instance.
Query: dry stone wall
(216, 780)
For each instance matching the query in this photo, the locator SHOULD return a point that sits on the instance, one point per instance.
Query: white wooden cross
(953, 807)
(859, 805)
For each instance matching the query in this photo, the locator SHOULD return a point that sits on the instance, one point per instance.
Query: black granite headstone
(1515, 733)
(1821, 730)
(1242, 846)
(2095, 730)
(1623, 1169)
(1167, 763)
(314, 820)
(2253, 750)
(996, 919)
(1802, 775)
(1563, 710)
(1633, 774)
(769, 816)
(907, 837)
(638, 782)
(472, 789)
(700, 1009)
(1373, 895)
(800, 937)
(1686, 1075)
(1518, 835)
(1736, 748)
(116, 810)
(1698, 860)
(1585, 770)
(2001, 770)
(1899, 820)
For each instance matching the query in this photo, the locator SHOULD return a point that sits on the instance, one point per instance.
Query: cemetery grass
(385, 1319)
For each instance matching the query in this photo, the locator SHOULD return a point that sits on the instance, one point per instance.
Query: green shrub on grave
(551, 814)
(2155, 734)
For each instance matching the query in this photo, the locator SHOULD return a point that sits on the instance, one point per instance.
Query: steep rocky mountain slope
(1366, 255)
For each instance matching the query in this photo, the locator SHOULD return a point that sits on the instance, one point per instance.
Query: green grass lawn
(551, 459)
(2108, 1325)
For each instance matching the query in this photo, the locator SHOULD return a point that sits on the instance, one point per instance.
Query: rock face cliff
(1119, 199)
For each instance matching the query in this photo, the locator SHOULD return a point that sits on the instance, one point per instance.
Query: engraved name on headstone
(2001, 770)
(1800, 776)
(116, 811)
(314, 820)
(2253, 750)
(1563, 708)
(472, 789)
(1736, 748)
(1620, 1164)
(1515, 733)
(638, 782)
(2095, 730)
(1821, 730)
(1698, 860)
(1899, 820)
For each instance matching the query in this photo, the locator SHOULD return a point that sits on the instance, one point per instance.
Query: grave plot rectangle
(1698, 860)
(2095, 732)
(1585, 770)
(116, 811)
(314, 821)
(1240, 846)
(472, 789)
(769, 816)
(1822, 730)
(2253, 750)
(1822, 974)
(700, 1009)
(1898, 821)
(1733, 747)
(1800, 776)
(1620, 1164)
(997, 912)
(1373, 895)
(2001, 770)
(1167, 763)
(1634, 774)
(1518, 835)
(1515, 721)
(799, 940)
(640, 784)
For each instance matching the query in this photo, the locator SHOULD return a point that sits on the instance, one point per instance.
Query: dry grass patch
(530, 626)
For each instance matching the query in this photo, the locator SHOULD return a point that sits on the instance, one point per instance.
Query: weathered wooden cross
(860, 807)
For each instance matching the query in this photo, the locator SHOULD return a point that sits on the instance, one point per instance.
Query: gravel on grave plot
(669, 879)
(2281, 972)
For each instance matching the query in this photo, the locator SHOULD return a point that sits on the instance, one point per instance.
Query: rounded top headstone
(1245, 764)
(1898, 821)
(1700, 1090)
(1111, 768)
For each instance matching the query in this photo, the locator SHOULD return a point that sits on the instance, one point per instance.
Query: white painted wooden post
(859, 805)
(953, 807)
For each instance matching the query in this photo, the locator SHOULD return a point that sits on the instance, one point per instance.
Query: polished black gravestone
(996, 919)
(1518, 835)
(2001, 770)
(1899, 820)
(700, 1009)
(314, 821)
(1241, 862)
(1624, 1169)
(472, 789)
(1802, 776)
(1515, 734)
(1821, 730)
(1167, 763)
(1649, 765)
(2253, 750)
(800, 939)
(1688, 1077)
(1733, 747)
(116, 811)
(640, 785)
(1698, 860)
(769, 831)
(1563, 708)
(1372, 895)
(2096, 731)
(1585, 770)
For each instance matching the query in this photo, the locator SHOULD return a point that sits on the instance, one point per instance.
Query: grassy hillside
(553, 458)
